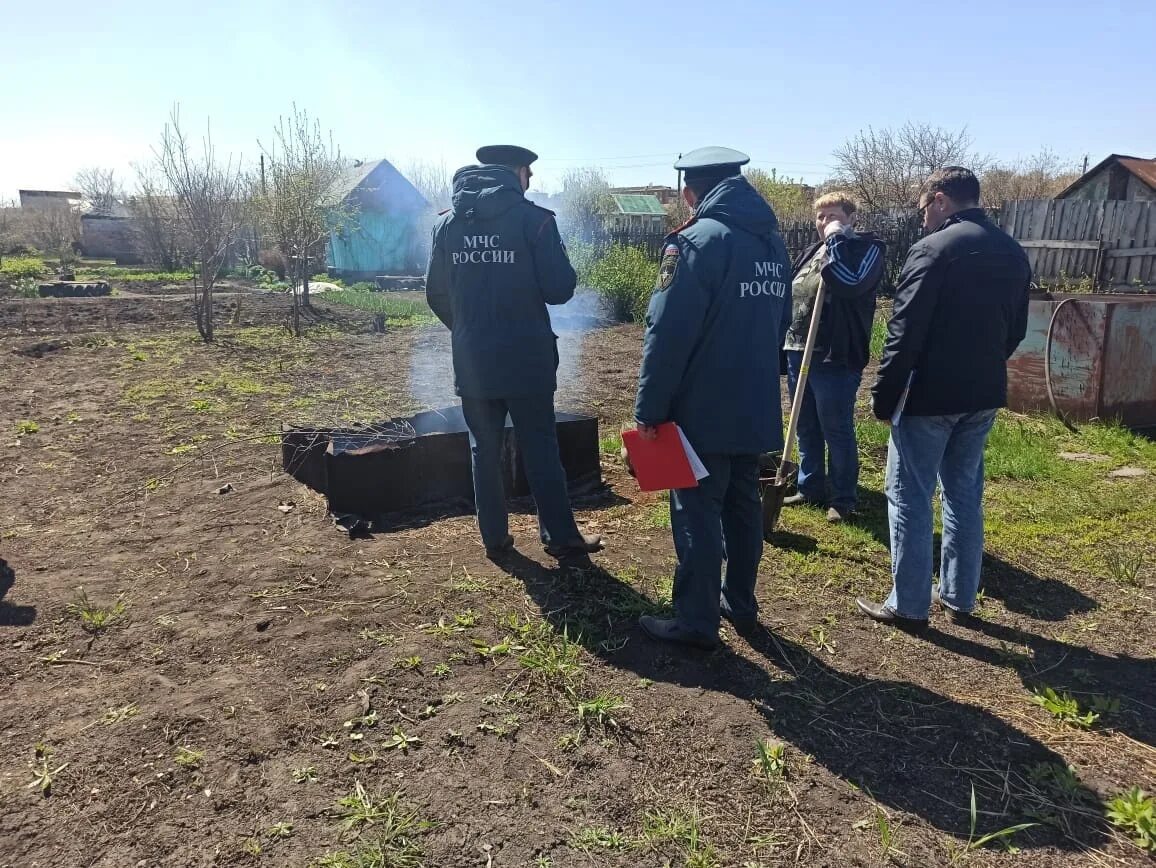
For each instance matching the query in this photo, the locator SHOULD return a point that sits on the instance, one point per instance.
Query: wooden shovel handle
(801, 386)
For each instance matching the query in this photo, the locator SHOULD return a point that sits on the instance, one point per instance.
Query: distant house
(43, 199)
(111, 234)
(636, 211)
(389, 234)
(1116, 178)
(664, 194)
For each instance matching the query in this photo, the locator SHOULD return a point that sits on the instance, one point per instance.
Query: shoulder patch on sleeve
(667, 267)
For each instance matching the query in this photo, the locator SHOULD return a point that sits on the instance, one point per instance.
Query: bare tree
(677, 213)
(209, 203)
(790, 199)
(100, 187)
(11, 226)
(1040, 176)
(55, 228)
(433, 181)
(885, 168)
(302, 198)
(160, 236)
(586, 199)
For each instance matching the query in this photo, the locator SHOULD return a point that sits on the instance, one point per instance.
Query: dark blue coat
(496, 262)
(719, 313)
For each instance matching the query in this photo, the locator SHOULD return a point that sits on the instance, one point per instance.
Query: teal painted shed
(387, 235)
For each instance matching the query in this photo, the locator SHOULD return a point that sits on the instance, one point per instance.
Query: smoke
(571, 322)
(431, 369)
(431, 374)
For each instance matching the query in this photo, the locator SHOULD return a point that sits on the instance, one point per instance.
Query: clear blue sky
(620, 85)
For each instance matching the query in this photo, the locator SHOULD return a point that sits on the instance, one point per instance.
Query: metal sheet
(1103, 358)
(1129, 390)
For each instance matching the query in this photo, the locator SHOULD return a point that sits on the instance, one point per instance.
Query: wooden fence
(899, 233)
(1106, 246)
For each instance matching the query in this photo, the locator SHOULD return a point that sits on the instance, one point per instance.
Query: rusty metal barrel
(1095, 352)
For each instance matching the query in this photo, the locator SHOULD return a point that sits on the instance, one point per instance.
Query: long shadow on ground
(1021, 591)
(911, 748)
(599, 499)
(1130, 681)
(10, 615)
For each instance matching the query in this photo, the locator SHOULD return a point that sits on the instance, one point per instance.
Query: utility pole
(263, 192)
(679, 183)
(1085, 165)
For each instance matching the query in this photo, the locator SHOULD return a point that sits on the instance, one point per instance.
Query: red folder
(659, 464)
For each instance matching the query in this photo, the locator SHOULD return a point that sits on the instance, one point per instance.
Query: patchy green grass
(1019, 448)
(94, 618)
(129, 275)
(871, 433)
(397, 311)
(1134, 812)
(878, 336)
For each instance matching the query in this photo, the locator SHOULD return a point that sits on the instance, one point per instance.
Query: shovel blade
(772, 491)
(773, 495)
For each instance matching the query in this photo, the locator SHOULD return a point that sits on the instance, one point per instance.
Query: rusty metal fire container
(1088, 356)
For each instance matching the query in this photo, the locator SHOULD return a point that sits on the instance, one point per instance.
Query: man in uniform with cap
(710, 363)
(497, 261)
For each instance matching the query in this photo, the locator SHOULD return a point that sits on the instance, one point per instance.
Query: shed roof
(378, 183)
(1144, 169)
(637, 203)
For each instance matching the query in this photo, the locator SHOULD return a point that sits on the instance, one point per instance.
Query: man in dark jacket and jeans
(710, 364)
(849, 265)
(496, 262)
(961, 309)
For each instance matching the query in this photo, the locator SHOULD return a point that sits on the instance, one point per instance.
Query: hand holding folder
(666, 462)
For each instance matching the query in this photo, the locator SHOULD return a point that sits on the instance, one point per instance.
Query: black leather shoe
(954, 616)
(669, 630)
(885, 615)
(496, 552)
(585, 545)
(743, 625)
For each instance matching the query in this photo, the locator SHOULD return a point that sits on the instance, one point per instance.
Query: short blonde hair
(839, 199)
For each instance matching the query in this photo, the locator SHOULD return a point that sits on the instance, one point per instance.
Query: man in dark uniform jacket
(710, 363)
(497, 261)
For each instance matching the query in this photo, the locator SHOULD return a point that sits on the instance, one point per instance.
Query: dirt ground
(263, 665)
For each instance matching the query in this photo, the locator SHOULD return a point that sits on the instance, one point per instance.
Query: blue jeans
(721, 518)
(921, 449)
(826, 432)
(537, 439)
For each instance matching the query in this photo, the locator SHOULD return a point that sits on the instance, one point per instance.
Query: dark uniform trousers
(721, 518)
(537, 437)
